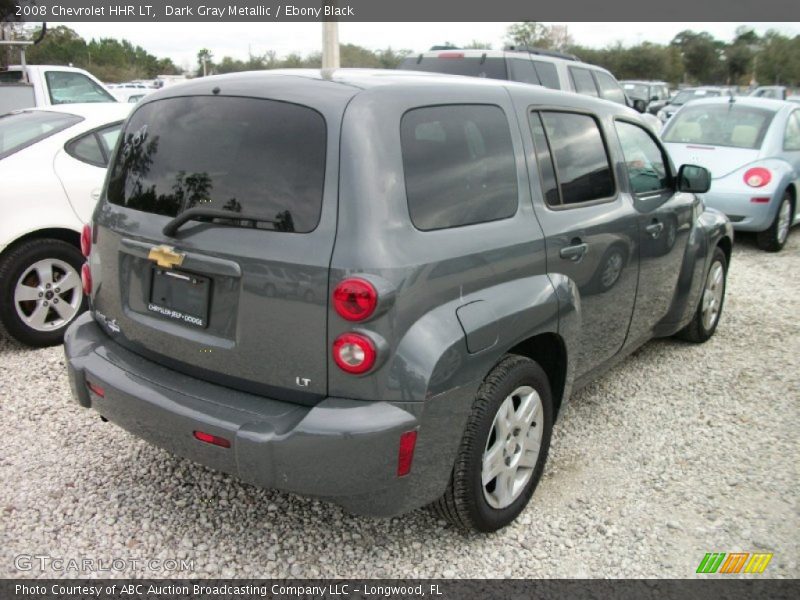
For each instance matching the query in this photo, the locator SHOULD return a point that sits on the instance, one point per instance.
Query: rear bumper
(744, 214)
(344, 450)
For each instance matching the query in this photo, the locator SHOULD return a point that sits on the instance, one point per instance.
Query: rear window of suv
(455, 63)
(260, 158)
(459, 165)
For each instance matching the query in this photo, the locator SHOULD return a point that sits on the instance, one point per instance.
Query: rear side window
(261, 158)
(583, 81)
(95, 147)
(791, 140)
(455, 63)
(522, 70)
(19, 130)
(67, 87)
(610, 89)
(459, 165)
(582, 166)
(547, 74)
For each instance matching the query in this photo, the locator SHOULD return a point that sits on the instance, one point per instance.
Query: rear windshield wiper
(193, 214)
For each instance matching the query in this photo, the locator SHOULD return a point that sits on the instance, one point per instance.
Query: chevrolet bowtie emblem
(166, 257)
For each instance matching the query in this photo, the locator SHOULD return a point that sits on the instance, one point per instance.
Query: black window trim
(664, 155)
(516, 166)
(106, 152)
(616, 196)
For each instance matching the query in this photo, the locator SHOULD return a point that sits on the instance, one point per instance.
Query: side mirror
(640, 105)
(694, 179)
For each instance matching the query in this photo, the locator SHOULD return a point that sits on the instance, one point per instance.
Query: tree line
(691, 57)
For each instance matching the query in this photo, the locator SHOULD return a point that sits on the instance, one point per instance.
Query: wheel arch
(58, 233)
(550, 351)
(726, 245)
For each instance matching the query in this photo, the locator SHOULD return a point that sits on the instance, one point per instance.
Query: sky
(181, 41)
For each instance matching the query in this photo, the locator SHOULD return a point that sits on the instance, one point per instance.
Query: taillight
(95, 389)
(86, 279)
(355, 299)
(406, 454)
(86, 240)
(211, 439)
(354, 353)
(757, 177)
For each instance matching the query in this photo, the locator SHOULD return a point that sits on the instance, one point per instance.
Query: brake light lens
(86, 240)
(757, 177)
(355, 299)
(354, 353)
(406, 454)
(212, 439)
(86, 279)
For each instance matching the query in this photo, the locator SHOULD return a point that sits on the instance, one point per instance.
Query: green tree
(702, 56)
(529, 33)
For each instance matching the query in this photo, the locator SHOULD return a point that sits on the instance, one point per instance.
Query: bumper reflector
(760, 200)
(406, 454)
(95, 389)
(212, 439)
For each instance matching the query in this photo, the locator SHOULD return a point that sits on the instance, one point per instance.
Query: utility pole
(330, 43)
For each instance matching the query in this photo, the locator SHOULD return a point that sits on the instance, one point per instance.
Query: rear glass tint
(453, 64)
(18, 130)
(259, 158)
(459, 165)
(547, 74)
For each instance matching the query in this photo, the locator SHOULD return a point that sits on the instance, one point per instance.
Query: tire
(21, 271)
(773, 239)
(700, 329)
(467, 503)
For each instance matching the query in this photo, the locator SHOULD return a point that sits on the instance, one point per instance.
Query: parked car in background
(52, 165)
(752, 148)
(776, 92)
(130, 94)
(652, 94)
(43, 85)
(520, 247)
(688, 95)
(795, 99)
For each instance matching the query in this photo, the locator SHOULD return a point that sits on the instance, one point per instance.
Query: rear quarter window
(259, 158)
(453, 63)
(459, 165)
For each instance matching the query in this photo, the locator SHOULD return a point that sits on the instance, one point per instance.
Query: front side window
(791, 140)
(582, 165)
(609, 88)
(261, 159)
(68, 87)
(727, 124)
(647, 167)
(547, 74)
(459, 165)
(19, 130)
(583, 81)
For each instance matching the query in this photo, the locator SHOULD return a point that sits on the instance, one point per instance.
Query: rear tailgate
(240, 301)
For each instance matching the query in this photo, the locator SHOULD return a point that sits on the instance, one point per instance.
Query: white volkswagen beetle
(52, 165)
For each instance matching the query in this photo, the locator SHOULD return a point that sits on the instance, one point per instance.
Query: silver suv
(554, 70)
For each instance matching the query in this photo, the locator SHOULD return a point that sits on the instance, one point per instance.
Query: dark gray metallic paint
(453, 302)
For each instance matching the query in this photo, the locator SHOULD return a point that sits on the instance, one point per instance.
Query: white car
(52, 166)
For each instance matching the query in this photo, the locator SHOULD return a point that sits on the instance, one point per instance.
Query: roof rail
(541, 51)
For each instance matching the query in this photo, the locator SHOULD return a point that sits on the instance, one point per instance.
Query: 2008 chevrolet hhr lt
(381, 287)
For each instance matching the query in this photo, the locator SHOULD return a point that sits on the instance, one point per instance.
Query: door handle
(654, 229)
(575, 252)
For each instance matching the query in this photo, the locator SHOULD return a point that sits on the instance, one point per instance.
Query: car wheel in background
(774, 238)
(709, 310)
(503, 450)
(40, 290)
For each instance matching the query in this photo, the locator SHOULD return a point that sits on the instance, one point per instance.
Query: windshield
(686, 95)
(636, 90)
(69, 87)
(19, 130)
(726, 124)
(260, 158)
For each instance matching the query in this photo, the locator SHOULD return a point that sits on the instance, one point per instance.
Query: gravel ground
(679, 451)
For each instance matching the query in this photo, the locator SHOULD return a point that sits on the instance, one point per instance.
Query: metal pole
(330, 45)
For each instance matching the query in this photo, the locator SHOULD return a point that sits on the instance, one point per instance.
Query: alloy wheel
(48, 295)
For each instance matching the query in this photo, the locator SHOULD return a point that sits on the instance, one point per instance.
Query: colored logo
(734, 562)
